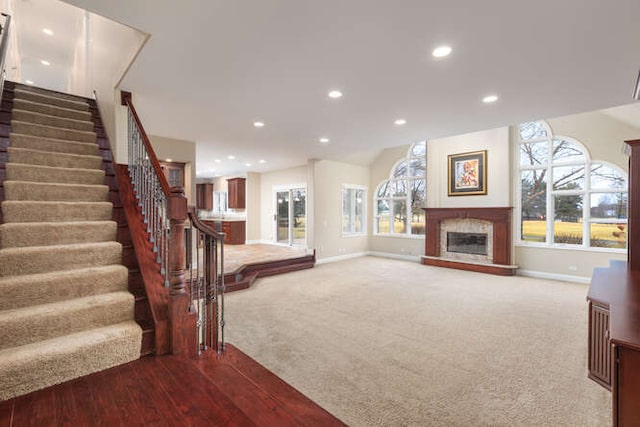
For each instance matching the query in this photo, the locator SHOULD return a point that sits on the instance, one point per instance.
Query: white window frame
(585, 193)
(351, 190)
(407, 198)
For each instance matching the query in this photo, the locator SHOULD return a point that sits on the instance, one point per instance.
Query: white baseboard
(553, 276)
(340, 257)
(415, 258)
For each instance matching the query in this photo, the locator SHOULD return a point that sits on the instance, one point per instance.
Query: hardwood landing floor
(229, 389)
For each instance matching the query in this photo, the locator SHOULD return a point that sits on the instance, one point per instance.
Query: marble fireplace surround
(495, 221)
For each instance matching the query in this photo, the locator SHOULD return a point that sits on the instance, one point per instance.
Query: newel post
(182, 323)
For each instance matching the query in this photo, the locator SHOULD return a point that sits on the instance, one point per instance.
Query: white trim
(340, 257)
(352, 215)
(415, 258)
(553, 276)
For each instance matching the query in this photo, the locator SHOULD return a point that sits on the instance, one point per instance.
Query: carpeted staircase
(65, 310)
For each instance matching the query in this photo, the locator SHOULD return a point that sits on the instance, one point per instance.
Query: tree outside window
(566, 198)
(399, 200)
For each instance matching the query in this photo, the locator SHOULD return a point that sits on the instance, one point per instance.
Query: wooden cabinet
(236, 190)
(204, 196)
(174, 172)
(234, 230)
(600, 349)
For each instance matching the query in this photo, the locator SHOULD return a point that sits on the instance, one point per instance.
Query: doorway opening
(291, 216)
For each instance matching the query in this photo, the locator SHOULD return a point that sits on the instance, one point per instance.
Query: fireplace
(467, 243)
(477, 239)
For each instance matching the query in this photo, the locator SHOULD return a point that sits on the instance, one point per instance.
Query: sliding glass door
(291, 216)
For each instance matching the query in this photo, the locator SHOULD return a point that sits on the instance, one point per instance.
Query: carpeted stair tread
(35, 366)
(45, 288)
(41, 259)
(44, 131)
(49, 120)
(50, 99)
(52, 110)
(25, 234)
(52, 93)
(52, 145)
(22, 190)
(36, 173)
(41, 322)
(33, 211)
(44, 158)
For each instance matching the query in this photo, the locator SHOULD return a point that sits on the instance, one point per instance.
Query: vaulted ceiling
(211, 69)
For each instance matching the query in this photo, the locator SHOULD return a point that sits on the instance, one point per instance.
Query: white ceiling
(212, 68)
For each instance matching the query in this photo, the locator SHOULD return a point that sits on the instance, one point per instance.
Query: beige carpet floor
(381, 342)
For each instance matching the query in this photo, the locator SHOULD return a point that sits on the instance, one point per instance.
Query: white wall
(254, 205)
(496, 142)
(329, 177)
(269, 180)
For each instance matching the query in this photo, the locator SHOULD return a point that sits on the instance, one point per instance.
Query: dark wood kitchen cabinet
(204, 196)
(236, 190)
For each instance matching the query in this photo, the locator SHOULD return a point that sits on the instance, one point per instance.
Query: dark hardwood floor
(229, 389)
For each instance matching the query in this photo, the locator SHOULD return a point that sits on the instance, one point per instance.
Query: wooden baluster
(182, 322)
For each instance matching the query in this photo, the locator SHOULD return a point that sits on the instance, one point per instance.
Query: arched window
(565, 197)
(399, 200)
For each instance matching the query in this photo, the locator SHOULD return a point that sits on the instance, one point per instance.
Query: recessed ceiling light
(248, 165)
(258, 124)
(324, 140)
(47, 31)
(262, 161)
(169, 160)
(29, 82)
(489, 99)
(231, 157)
(441, 51)
(400, 122)
(45, 62)
(335, 94)
(218, 160)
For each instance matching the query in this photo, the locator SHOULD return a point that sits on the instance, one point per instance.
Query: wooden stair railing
(163, 239)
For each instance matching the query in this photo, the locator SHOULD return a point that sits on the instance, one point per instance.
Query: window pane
(608, 235)
(358, 226)
(383, 216)
(533, 226)
(399, 188)
(534, 153)
(567, 151)
(606, 178)
(532, 130)
(399, 216)
(418, 167)
(383, 190)
(567, 227)
(419, 149)
(608, 206)
(418, 194)
(401, 170)
(347, 209)
(568, 177)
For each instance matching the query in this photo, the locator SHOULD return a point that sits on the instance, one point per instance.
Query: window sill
(522, 244)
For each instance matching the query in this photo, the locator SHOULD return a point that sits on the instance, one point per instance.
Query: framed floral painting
(468, 173)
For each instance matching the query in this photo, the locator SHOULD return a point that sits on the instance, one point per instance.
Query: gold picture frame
(468, 173)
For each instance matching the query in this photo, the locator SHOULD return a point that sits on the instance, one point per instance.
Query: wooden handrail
(201, 226)
(125, 99)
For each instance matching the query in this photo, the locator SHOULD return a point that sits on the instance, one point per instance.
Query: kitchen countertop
(227, 219)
